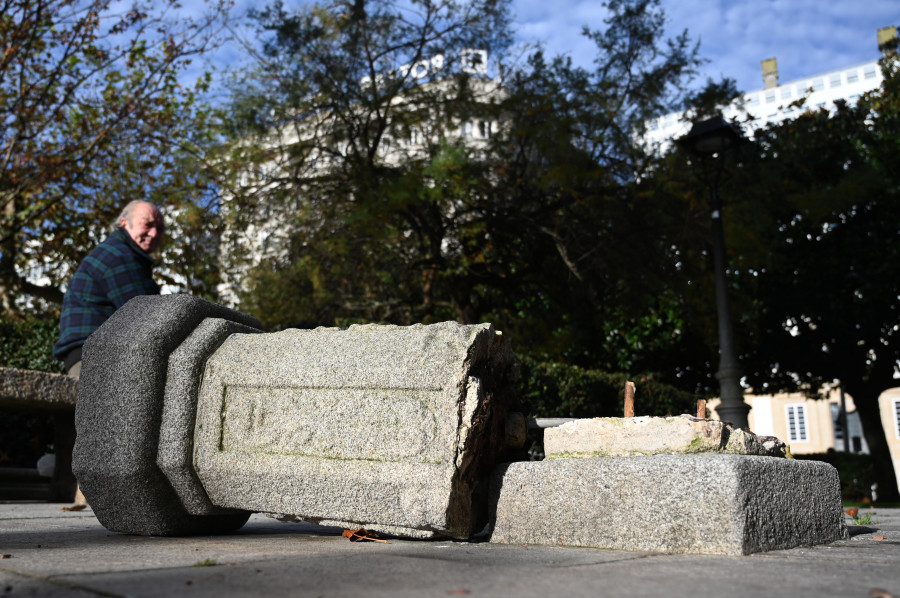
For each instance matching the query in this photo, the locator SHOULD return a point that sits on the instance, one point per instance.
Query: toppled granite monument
(189, 419)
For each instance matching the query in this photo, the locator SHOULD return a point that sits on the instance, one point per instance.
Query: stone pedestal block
(713, 503)
(683, 434)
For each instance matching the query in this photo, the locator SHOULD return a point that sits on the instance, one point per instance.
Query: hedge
(559, 390)
(27, 343)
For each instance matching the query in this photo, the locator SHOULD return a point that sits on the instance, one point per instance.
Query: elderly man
(115, 271)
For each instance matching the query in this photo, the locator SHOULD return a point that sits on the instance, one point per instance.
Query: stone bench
(30, 392)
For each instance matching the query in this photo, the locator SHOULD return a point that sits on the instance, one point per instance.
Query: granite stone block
(176, 433)
(120, 399)
(708, 503)
(375, 426)
(624, 436)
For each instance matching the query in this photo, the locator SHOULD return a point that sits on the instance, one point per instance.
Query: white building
(261, 235)
(779, 101)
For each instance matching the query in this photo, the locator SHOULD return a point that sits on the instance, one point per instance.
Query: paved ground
(49, 552)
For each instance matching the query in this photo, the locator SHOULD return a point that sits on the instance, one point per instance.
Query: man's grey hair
(129, 209)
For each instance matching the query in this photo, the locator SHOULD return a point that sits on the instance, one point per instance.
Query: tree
(811, 220)
(351, 104)
(94, 115)
(392, 211)
(829, 294)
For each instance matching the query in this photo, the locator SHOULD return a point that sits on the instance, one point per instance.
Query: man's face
(145, 228)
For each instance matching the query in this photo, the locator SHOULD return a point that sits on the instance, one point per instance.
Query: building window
(770, 97)
(786, 93)
(818, 84)
(753, 100)
(467, 129)
(484, 129)
(835, 80)
(897, 417)
(796, 423)
(838, 427)
(869, 72)
(852, 76)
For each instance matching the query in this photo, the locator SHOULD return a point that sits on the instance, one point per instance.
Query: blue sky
(806, 36)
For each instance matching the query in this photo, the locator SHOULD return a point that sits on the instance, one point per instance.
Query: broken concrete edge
(711, 503)
(646, 435)
(488, 399)
(120, 395)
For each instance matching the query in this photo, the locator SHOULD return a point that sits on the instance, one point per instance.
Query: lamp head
(710, 137)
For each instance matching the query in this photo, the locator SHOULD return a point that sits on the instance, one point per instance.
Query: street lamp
(709, 140)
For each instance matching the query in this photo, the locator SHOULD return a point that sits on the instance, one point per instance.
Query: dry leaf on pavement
(361, 535)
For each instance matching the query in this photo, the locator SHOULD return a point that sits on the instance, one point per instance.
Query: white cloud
(806, 36)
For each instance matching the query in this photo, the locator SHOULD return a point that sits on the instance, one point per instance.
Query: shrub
(559, 390)
(856, 470)
(27, 343)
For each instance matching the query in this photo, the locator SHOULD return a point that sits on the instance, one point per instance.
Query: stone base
(120, 404)
(714, 503)
(630, 436)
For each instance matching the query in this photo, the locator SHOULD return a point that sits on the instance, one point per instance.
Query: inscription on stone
(384, 424)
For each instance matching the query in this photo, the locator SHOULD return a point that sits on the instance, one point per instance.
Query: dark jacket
(111, 274)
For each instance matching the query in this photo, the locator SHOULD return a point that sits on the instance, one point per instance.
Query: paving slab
(58, 553)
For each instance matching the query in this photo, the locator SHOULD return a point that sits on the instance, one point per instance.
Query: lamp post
(709, 140)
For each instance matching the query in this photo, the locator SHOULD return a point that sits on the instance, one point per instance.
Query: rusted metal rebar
(629, 399)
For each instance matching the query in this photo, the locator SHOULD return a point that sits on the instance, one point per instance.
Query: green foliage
(863, 520)
(27, 343)
(95, 114)
(560, 390)
(810, 214)
(856, 472)
(387, 212)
